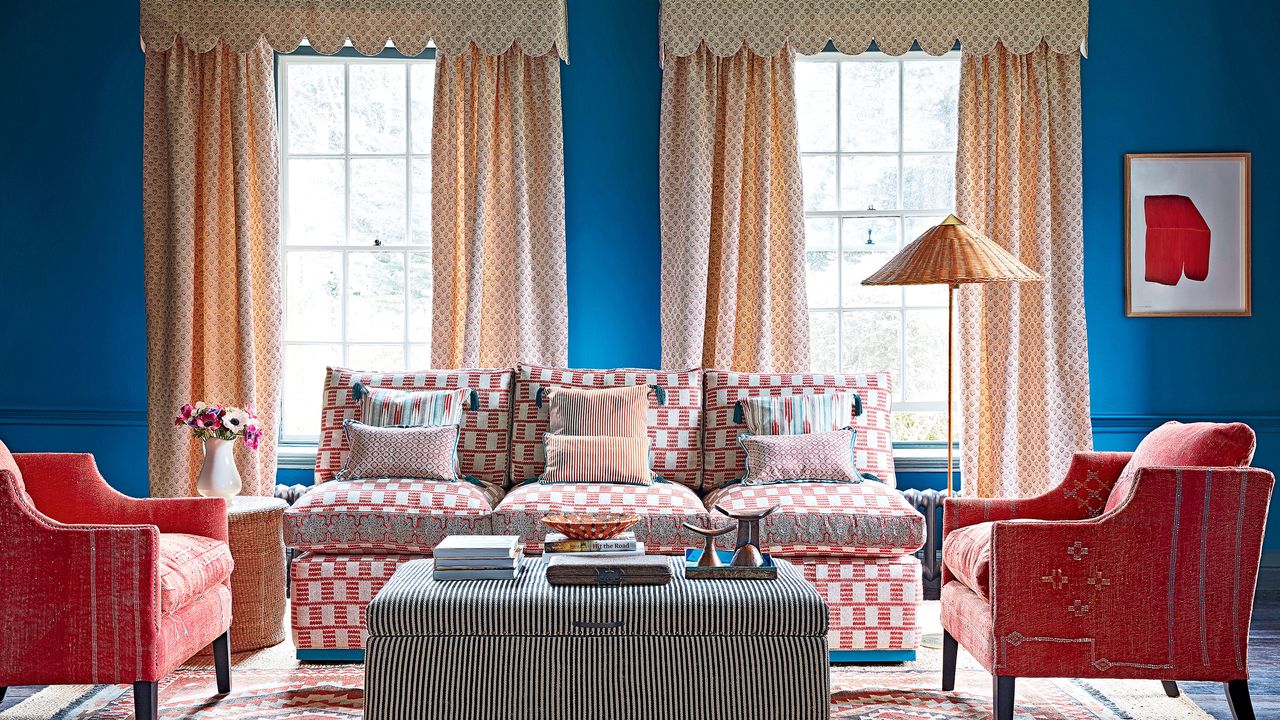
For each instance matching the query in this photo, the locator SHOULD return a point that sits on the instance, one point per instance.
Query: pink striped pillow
(597, 458)
(617, 411)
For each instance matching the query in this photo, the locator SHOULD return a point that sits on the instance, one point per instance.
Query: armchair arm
(81, 602)
(1160, 587)
(68, 488)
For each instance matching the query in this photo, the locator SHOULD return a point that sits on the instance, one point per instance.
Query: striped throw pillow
(382, 407)
(597, 458)
(809, 457)
(422, 452)
(616, 411)
(797, 414)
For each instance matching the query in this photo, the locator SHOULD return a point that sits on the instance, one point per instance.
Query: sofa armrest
(1162, 586)
(90, 592)
(68, 487)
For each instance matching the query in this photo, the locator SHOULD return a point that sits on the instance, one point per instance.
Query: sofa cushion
(1175, 444)
(387, 515)
(617, 411)
(597, 458)
(428, 452)
(673, 427)
(966, 552)
(723, 458)
(484, 440)
(7, 462)
(384, 407)
(662, 508)
(810, 457)
(189, 566)
(830, 519)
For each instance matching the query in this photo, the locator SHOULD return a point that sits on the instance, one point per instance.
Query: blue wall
(1162, 75)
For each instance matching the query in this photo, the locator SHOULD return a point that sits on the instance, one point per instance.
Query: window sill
(296, 457)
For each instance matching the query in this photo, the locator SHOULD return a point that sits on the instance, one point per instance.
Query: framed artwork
(1187, 228)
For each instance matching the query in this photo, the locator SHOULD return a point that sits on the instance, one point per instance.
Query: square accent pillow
(597, 458)
(427, 452)
(810, 457)
(382, 407)
(615, 411)
(1175, 444)
(798, 414)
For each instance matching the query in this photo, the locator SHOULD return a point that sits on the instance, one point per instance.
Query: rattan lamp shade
(950, 254)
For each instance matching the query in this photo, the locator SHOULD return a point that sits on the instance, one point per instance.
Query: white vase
(219, 476)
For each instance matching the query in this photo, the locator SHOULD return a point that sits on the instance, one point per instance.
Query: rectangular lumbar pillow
(384, 407)
(811, 457)
(614, 411)
(424, 452)
(798, 414)
(597, 458)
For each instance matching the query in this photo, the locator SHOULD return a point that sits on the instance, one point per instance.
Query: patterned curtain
(497, 204)
(1024, 357)
(212, 270)
(733, 276)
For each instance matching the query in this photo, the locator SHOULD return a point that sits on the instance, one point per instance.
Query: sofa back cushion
(673, 426)
(1175, 444)
(723, 458)
(483, 442)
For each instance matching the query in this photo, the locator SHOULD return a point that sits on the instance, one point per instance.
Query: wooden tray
(768, 571)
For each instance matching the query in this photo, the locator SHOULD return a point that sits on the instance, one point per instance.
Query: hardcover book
(477, 546)
(558, 543)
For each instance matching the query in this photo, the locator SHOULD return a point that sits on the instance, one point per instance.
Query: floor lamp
(950, 254)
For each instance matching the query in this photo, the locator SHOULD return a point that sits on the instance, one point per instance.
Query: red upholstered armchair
(102, 588)
(1152, 581)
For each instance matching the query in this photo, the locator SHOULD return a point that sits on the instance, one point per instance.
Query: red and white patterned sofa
(855, 543)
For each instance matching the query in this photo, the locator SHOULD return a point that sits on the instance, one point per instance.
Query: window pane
(420, 297)
(419, 357)
(870, 342)
(313, 296)
(377, 107)
(923, 427)
(420, 220)
(868, 182)
(304, 379)
(316, 109)
(930, 92)
(926, 360)
(422, 80)
(822, 283)
(316, 202)
(816, 105)
(375, 305)
(915, 225)
(869, 106)
(861, 259)
(377, 202)
(819, 173)
(382, 358)
(928, 182)
(932, 295)
(824, 343)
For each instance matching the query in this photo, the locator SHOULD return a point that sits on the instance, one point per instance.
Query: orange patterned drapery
(212, 258)
(1024, 355)
(497, 212)
(732, 205)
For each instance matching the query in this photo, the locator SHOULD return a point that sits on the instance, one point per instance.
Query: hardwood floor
(1264, 661)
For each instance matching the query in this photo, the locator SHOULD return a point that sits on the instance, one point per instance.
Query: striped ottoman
(526, 650)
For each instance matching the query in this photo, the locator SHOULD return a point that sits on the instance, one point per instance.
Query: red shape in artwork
(1178, 240)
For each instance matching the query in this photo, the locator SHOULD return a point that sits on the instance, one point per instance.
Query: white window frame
(902, 213)
(284, 62)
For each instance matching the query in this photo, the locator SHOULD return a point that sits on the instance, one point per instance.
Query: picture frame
(1187, 239)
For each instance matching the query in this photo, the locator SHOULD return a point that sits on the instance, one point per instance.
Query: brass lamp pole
(950, 254)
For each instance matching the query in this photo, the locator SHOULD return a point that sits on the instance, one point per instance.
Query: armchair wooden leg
(949, 649)
(222, 662)
(146, 700)
(3, 690)
(1238, 700)
(1171, 688)
(1002, 697)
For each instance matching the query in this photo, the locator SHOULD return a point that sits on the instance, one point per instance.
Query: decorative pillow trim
(809, 457)
(597, 458)
(423, 452)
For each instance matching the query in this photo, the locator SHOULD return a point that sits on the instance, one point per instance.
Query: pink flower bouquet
(223, 422)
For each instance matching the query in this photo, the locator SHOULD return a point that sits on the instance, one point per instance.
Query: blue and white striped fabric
(797, 414)
(382, 407)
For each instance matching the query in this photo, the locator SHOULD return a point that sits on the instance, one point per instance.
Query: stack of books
(620, 546)
(478, 557)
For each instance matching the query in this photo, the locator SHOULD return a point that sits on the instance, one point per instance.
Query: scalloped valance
(539, 26)
(767, 26)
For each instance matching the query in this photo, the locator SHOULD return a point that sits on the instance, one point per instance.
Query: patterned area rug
(334, 692)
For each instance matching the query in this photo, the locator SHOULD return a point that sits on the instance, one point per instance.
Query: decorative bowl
(591, 526)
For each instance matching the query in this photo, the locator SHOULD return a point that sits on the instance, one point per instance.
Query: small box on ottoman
(523, 649)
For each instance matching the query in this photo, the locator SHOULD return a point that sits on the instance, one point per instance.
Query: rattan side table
(254, 526)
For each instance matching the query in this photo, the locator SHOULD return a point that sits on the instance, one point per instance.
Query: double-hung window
(878, 146)
(356, 221)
